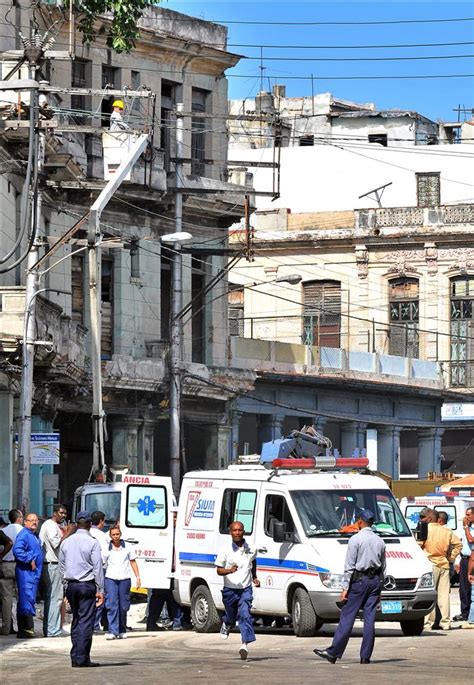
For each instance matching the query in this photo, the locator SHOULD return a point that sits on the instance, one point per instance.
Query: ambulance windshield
(332, 513)
(108, 502)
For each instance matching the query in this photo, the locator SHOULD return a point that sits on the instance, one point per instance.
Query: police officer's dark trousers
(81, 598)
(364, 594)
(464, 587)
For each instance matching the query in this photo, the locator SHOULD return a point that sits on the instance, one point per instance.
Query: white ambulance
(144, 507)
(454, 505)
(300, 520)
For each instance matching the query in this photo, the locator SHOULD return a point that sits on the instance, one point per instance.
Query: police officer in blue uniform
(363, 577)
(80, 564)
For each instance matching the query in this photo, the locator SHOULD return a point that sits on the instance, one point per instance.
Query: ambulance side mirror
(279, 531)
(421, 532)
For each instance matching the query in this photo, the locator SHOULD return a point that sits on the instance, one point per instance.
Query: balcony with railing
(400, 217)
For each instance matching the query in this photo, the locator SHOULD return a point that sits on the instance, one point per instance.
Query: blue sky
(434, 98)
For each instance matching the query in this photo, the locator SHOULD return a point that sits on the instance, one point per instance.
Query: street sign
(45, 448)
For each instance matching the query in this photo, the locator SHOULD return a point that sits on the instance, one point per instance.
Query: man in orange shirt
(441, 547)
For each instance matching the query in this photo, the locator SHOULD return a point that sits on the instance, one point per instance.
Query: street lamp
(175, 357)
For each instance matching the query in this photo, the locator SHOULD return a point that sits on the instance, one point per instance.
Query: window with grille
(462, 334)
(236, 310)
(111, 77)
(322, 313)
(404, 315)
(198, 321)
(428, 189)
(198, 134)
(107, 308)
(167, 124)
(77, 288)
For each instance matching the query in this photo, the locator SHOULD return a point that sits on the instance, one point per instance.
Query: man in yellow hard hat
(116, 121)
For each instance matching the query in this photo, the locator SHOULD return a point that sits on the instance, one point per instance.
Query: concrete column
(388, 450)
(352, 437)
(269, 428)
(429, 451)
(218, 445)
(145, 444)
(6, 453)
(235, 416)
(125, 442)
(319, 423)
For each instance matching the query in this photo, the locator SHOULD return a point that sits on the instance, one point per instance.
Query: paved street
(277, 657)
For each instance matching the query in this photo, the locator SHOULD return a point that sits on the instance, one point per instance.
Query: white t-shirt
(50, 536)
(11, 531)
(230, 554)
(117, 562)
(102, 538)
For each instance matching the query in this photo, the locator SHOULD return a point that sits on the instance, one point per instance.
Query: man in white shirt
(236, 563)
(51, 535)
(8, 563)
(97, 532)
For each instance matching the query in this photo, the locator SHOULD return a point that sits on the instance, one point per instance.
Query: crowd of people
(89, 569)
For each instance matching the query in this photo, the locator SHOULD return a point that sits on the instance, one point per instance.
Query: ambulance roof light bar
(321, 462)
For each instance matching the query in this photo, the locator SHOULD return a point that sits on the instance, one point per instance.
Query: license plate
(391, 607)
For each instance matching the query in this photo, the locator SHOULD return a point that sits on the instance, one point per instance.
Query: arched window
(462, 335)
(404, 314)
(322, 313)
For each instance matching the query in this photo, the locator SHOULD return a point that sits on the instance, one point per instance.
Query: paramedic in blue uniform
(80, 565)
(363, 577)
(29, 562)
(236, 563)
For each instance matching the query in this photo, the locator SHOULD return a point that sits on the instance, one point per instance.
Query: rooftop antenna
(377, 192)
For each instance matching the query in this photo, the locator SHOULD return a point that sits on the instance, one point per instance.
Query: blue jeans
(471, 610)
(53, 599)
(237, 604)
(117, 603)
(363, 594)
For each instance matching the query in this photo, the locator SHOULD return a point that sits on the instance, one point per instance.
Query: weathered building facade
(174, 62)
(374, 339)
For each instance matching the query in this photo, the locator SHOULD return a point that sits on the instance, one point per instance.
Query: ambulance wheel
(412, 627)
(305, 621)
(203, 611)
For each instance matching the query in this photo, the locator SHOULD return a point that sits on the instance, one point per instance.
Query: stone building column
(235, 435)
(352, 437)
(7, 483)
(319, 423)
(388, 450)
(146, 438)
(269, 428)
(218, 445)
(429, 451)
(125, 442)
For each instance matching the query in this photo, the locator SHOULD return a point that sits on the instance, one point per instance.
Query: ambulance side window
(238, 505)
(276, 509)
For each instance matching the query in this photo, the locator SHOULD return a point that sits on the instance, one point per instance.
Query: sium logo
(204, 509)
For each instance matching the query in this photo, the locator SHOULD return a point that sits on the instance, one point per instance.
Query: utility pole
(31, 287)
(176, 335)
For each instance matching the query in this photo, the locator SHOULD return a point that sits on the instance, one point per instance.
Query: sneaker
(110, 636)
(467, 625)
(224, 631)
(459, 617)
(243, 651)
(123, 636)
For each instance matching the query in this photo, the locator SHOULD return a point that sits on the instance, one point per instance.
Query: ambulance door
(276, 562)
(146, 522)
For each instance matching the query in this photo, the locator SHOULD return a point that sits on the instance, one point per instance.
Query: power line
(267, 58)
(325, 23)
(348, 47)
(347, 78)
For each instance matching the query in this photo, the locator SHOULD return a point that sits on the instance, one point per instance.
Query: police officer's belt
(370, 573)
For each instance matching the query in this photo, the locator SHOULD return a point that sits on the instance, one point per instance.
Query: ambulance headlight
(332, 580)
(426, 580)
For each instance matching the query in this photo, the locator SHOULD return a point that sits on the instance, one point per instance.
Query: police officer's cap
(367, 516)
(85, 516)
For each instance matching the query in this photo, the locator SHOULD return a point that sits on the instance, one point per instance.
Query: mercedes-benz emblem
(389, 583)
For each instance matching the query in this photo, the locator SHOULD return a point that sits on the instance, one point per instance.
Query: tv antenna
(377, 193)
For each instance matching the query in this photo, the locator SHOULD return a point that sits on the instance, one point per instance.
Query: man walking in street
(51, 535)
(236, 563)
(29, 562)
(362, 585)
(97, 532)
(462, 562)
(80, 565)
(441, 547)
(470, 576)
(7, 583)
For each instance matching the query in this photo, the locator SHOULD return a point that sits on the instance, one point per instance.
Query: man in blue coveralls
(363, 576)
(29, 562)
(236, 563)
